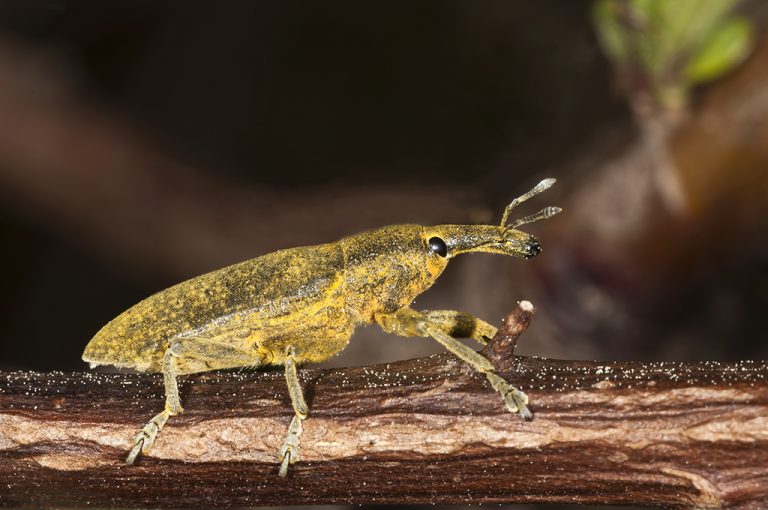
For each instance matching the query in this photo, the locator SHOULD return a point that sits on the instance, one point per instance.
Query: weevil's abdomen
(256, 304)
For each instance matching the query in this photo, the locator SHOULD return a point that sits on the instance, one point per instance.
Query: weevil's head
(443, 242)
(386, 268)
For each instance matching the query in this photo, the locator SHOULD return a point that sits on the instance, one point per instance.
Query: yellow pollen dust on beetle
(302, 304)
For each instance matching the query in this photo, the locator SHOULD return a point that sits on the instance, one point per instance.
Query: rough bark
(420, 431)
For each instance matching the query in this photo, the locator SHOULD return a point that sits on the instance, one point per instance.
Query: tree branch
(420, 431)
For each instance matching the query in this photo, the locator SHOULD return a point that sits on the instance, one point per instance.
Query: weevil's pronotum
(302, 305)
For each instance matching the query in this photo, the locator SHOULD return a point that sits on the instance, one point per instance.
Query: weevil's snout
(531, 248)
(460, 239)
(503, 239)
(518, 244)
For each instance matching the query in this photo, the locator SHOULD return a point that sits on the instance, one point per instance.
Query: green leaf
(679, 26)
(610, 31)
(708, 18)
(724, 48)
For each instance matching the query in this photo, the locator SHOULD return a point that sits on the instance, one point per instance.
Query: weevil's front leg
(514, 398)
(289, 451)
(409, 322)
(405, 322)
(461, 325)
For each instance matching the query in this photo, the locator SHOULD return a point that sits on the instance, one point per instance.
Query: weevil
(301, 305)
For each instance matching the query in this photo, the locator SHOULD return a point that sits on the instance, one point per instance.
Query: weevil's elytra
(302, 305)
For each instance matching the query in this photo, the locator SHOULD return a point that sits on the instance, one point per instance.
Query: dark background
(298, 100)
(142, 143)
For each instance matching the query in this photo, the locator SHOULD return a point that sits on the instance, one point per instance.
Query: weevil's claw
(522, 408)
(284, 465)
(137, 447)
(143, 441)
(289, 451)
(514, 398)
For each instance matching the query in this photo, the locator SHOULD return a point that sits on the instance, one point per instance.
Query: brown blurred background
(145, 142)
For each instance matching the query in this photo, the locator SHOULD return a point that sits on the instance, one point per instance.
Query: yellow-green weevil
(302, 305)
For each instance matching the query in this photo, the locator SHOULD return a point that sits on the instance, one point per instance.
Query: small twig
(501, 349)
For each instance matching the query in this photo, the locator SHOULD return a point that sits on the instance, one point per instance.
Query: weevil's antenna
(542, 186)
(545, 213)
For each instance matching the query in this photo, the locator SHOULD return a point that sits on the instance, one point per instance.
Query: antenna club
(543, 214)
(546, 183)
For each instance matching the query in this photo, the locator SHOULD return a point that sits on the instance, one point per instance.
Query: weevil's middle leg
(437, 324)
(289, 451)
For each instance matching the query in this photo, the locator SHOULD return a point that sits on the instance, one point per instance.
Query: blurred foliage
(662, 48)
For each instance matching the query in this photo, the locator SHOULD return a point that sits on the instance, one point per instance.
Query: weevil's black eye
(437, 245)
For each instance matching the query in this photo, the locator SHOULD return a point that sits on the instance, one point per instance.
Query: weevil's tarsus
(409, 322)
(145, 439)
(285, 452)
(522, 405)
(539, 188)
(137, 446)
(290, 450)
(515, 400)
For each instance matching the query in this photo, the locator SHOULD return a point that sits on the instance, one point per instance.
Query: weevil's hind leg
(289, 451)
(409, 322)
(143, 441)
(185, 356)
